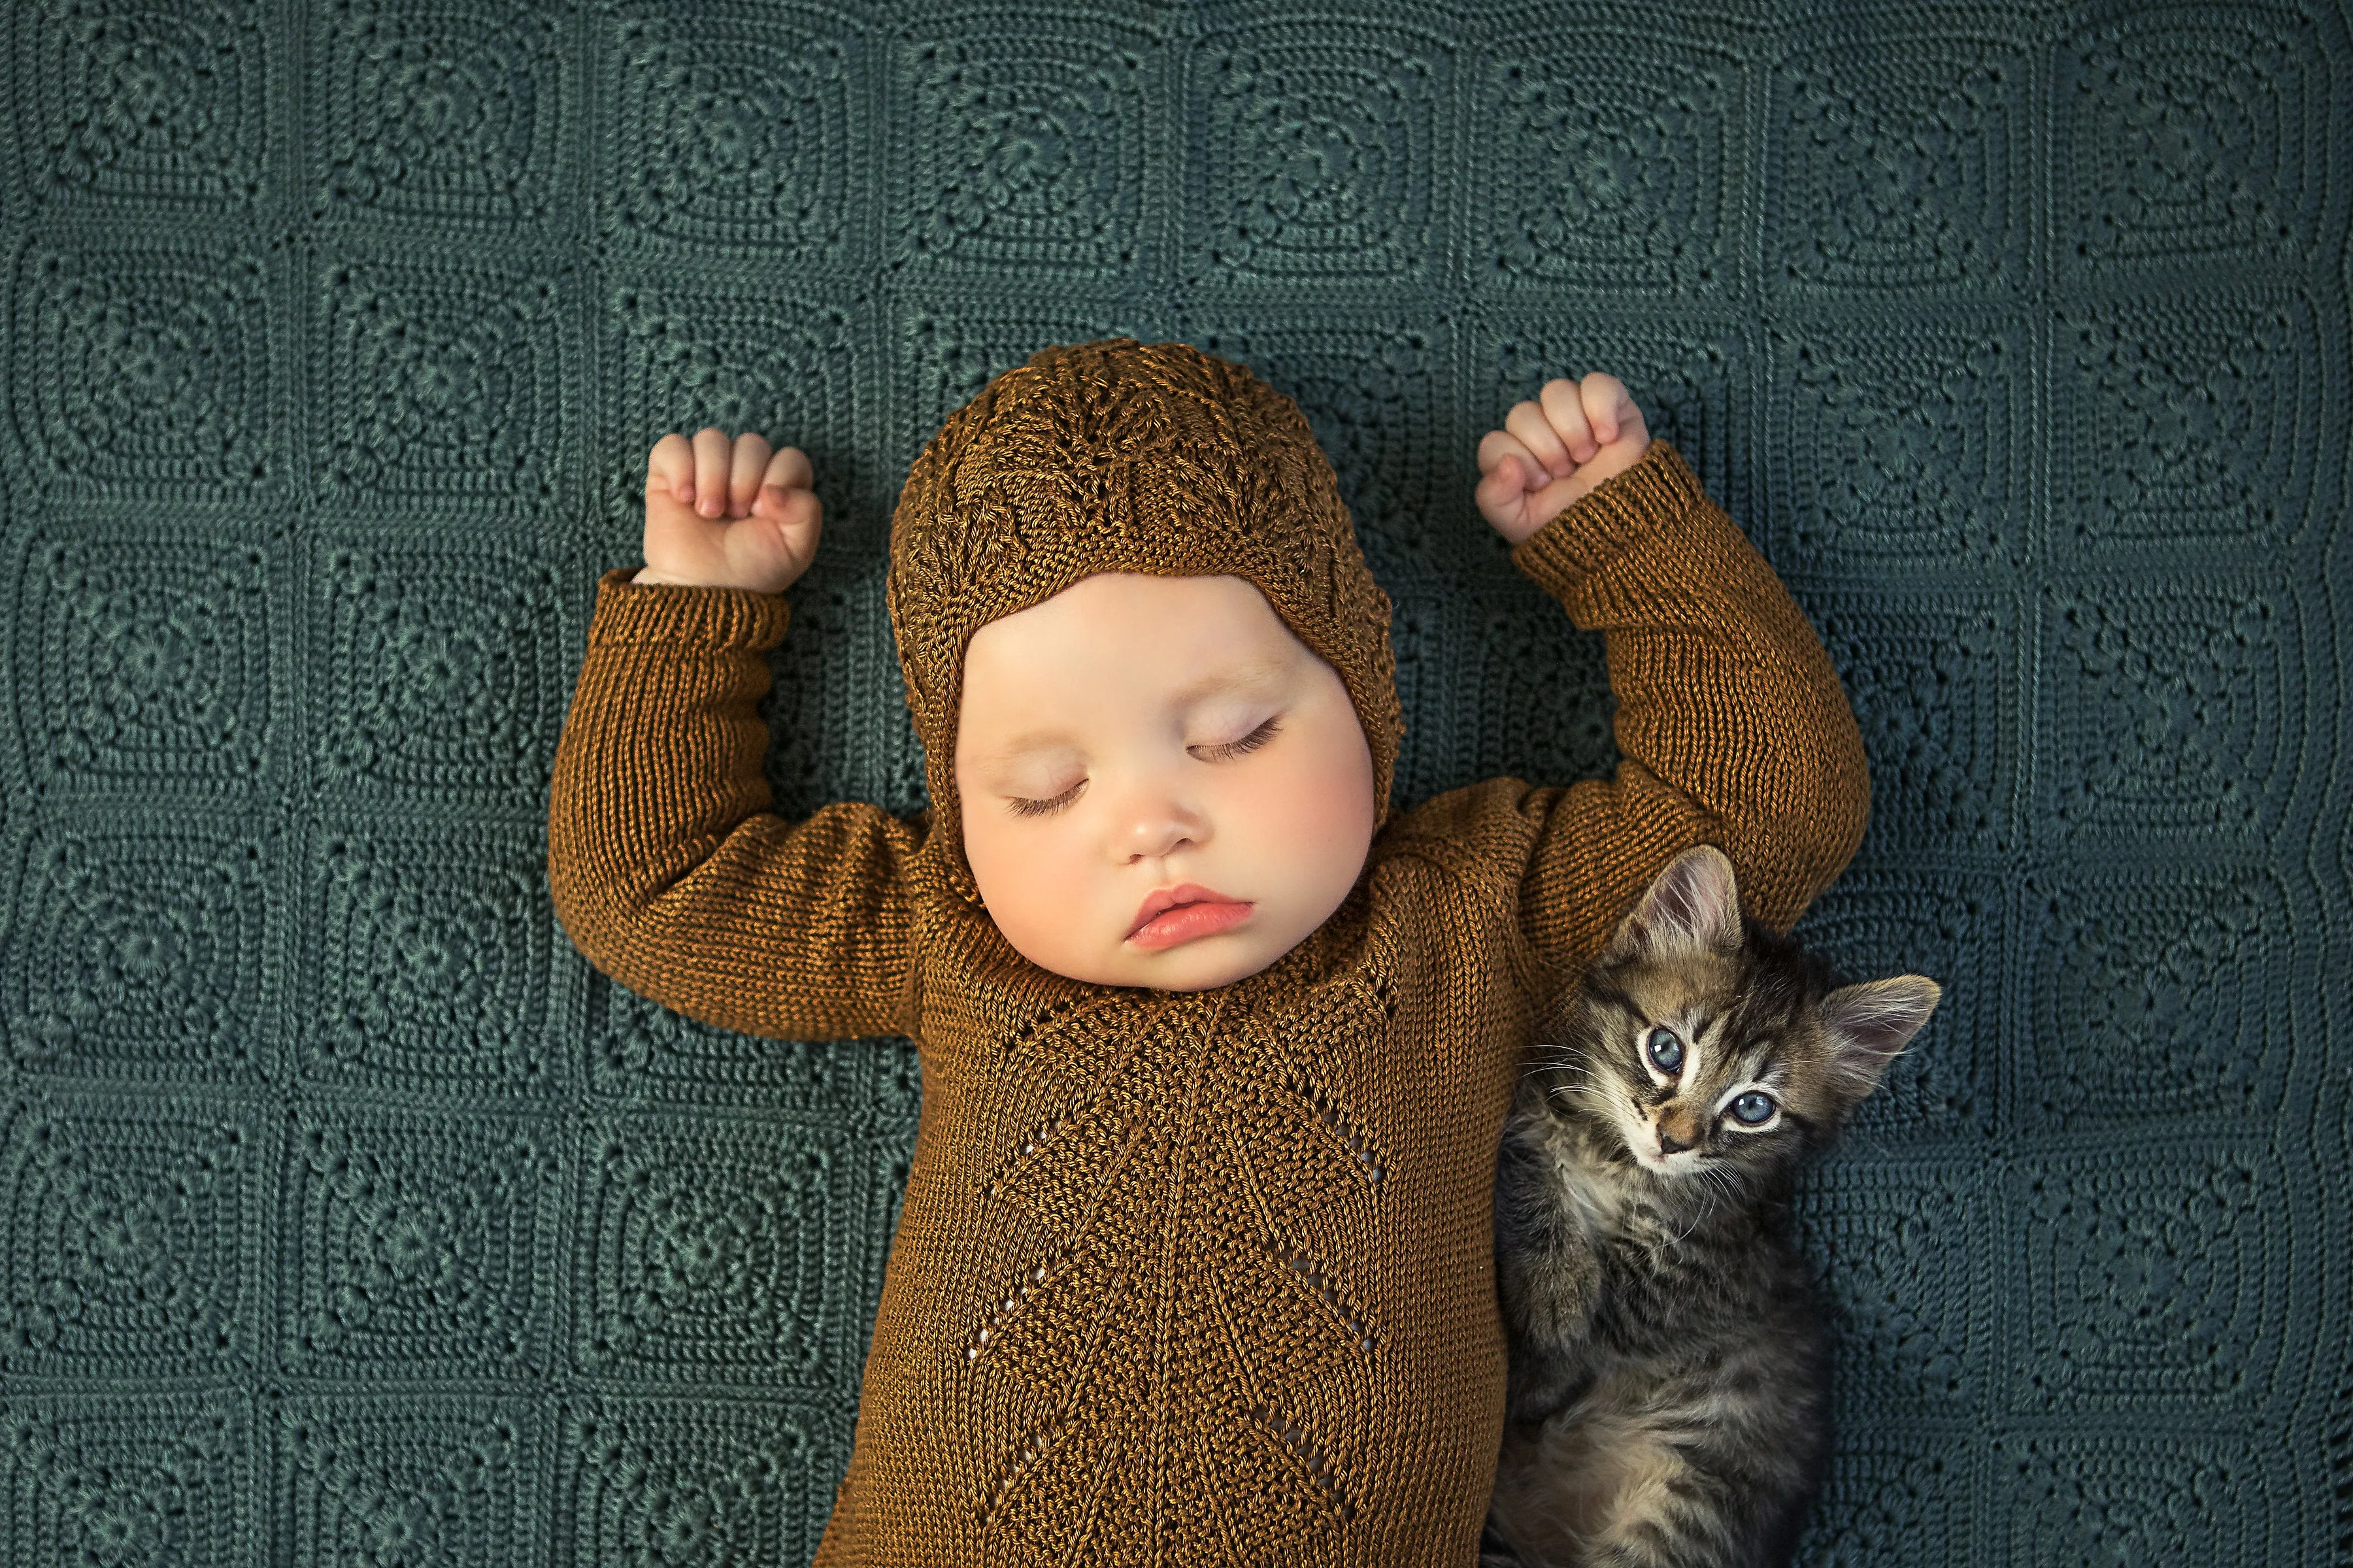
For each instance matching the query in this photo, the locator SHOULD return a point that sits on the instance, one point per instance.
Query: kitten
(1667, 1395)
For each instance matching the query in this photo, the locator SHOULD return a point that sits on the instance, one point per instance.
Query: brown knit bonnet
(1118, 455)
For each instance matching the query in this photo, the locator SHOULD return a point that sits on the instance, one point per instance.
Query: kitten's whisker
(1736, 1185)
(1707, 1197)
(1579, 1072)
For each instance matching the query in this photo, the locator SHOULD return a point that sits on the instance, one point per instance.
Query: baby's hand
(723, 517)
(1551, 453)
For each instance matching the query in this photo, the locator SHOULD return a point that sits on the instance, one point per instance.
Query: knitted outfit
(1187, 1278)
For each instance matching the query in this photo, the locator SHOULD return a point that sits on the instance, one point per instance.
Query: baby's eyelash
(1020, 807)
(1249, 743)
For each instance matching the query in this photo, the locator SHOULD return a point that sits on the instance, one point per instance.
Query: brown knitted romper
(1187, 1278)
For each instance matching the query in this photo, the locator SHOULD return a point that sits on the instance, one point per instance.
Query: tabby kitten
(1667, 1395)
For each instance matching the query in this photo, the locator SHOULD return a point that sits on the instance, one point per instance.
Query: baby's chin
(1206, 970)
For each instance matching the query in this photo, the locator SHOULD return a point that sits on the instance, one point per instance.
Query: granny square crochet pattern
(348, 1216)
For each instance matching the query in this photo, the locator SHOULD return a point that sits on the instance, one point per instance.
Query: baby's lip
(1161, 899)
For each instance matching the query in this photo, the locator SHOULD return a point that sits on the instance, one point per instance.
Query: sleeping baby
(1194, 1262)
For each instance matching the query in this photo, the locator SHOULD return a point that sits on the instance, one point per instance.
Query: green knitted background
(348, 1216)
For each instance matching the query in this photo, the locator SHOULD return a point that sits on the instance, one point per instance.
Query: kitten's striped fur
(1668, 1399)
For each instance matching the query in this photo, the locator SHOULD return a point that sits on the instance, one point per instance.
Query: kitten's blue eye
(1666, 1051)
(1754, 1108)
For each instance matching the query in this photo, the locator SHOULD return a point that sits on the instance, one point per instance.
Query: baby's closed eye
(1022, 807)
(1249, 743)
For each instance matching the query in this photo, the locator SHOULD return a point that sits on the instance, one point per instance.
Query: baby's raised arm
(1732, 725)
(668, 868)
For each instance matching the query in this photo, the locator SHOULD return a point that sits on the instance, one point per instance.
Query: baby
(1195, 1263)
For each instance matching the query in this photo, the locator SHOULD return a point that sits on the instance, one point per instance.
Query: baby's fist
(1553, 450)
(728, 515)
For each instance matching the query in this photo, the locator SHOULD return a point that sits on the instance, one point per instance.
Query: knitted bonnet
(1118, 455)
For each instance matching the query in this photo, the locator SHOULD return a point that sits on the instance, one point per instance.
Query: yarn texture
(1188, 1277)
(349, 1215)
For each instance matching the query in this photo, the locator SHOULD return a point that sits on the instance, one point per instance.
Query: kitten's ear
(1869, 1026)
(1694, 904)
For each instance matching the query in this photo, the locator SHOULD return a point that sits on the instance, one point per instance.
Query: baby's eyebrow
(1235, 678)
(1256, 672)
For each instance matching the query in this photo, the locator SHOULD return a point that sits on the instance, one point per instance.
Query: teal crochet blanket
(348, 1216)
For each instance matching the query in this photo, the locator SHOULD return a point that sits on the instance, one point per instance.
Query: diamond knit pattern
(349, 1215)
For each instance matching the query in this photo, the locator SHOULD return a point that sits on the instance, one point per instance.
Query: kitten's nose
(1667, 1144)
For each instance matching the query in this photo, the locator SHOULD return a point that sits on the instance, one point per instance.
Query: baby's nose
(1158, 824)
(1148, 840)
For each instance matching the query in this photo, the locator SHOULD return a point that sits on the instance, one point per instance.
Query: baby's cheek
(1323, 812)
(1039, 903)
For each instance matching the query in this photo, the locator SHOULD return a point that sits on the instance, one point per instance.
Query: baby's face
(1136, 733)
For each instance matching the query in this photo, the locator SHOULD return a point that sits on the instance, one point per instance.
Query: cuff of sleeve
(1595, 527)
(631, 612)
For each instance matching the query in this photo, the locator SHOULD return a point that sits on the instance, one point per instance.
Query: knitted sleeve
(1732, 727)
(667, 867)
